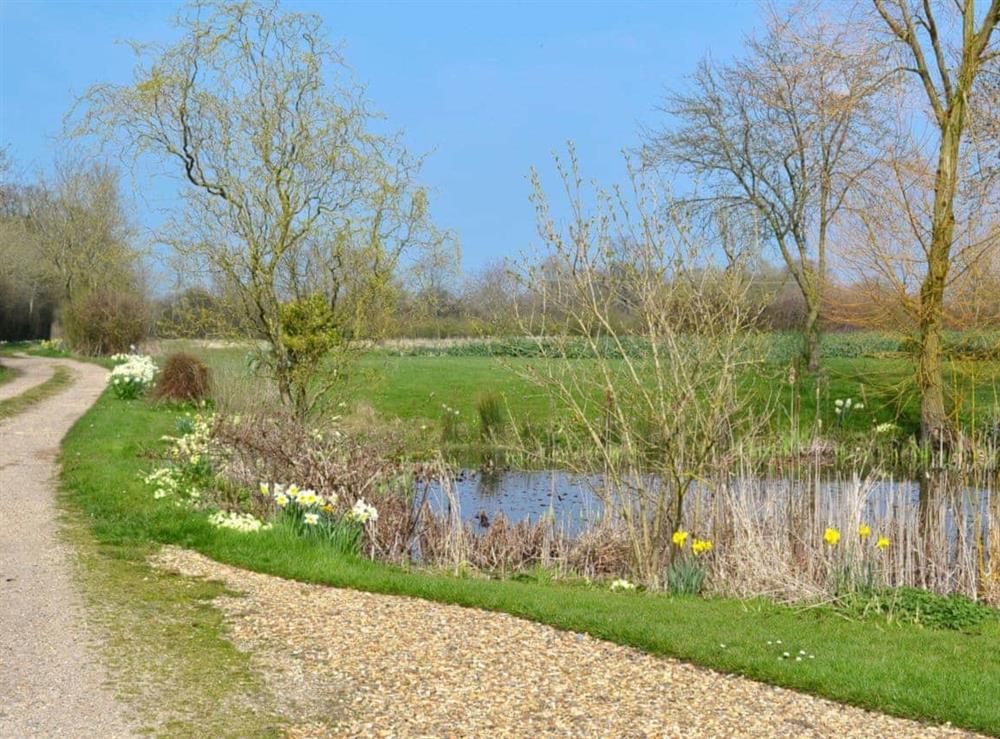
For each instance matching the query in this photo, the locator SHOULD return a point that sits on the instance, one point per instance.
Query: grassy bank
(928, 674)
(61, 379)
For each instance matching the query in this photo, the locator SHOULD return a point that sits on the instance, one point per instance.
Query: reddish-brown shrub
(183, 379)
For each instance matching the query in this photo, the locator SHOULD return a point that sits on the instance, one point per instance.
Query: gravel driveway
(33, 371)
(347, 663)
(51, 684)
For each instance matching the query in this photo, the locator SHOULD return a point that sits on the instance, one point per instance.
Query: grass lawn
(936, 675)
(412, 389)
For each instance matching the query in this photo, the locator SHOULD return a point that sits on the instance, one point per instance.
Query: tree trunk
(934, 426)
(811, 339)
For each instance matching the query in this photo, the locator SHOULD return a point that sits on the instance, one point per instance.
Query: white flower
(242, 522)
(281, 501)
(838, 402)
(312, 519)
(362, 512)
(859, 407)
(618, 585)
(133, 376)
(885, 428)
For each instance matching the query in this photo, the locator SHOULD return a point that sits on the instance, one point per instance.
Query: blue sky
(487, 89)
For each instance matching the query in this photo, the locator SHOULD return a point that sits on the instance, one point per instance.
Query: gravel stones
(348, 663)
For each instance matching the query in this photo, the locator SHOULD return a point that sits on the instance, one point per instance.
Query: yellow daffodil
(882, 543)
(831, 537)
(700, 546)
(679, 538)
(864, 531)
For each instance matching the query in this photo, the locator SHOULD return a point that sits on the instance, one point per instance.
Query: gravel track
(348, 663)
(51, 681)
(33, 371)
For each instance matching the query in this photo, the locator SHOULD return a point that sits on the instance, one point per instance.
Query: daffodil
(882, 543)
(679, 538)
(700, 546)
(864, 531)
(281, 500)
(831, 536)
(312, 519)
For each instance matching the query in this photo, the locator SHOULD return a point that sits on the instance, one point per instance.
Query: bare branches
(785, 132)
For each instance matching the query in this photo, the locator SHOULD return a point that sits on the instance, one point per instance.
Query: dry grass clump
(183, 379)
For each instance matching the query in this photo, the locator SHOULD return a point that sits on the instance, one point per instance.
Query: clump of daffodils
(292, 495)
(165, 481)
(133, 376)
(242, 522)
(843, 406)
(622, 586)
(363, 512)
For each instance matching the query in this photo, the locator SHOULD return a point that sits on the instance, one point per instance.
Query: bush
(184, 379)
(106, 322)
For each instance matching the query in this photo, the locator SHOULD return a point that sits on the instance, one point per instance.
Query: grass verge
(925, 674)
(60, 380)
(164, 643)
(7, 374)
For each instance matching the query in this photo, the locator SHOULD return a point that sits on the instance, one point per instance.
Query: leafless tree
(783, 133)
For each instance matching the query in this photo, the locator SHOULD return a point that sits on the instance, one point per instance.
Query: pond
(571, 501)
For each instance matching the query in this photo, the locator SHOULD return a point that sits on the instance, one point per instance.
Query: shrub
(106, 322)
(184, 379)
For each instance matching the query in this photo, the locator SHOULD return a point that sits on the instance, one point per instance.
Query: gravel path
(51, 684)
(347, 663)
(33, 371)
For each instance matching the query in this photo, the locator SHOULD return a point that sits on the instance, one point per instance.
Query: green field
(413, 388)
(933, 674)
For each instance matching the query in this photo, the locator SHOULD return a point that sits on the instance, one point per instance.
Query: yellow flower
(679, 538)
(328, 508)
(882, 543)
(864, 531)
(831, 537)
(698, 546)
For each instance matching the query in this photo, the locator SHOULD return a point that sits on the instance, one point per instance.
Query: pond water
(572, 502)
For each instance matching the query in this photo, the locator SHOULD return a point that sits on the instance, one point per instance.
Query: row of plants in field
(781, 347)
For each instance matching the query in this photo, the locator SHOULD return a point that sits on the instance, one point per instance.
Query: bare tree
(783, 133)
(295, 201)
(946, 47)
(657, 407)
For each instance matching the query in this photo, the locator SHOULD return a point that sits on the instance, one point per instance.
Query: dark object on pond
(483, 519)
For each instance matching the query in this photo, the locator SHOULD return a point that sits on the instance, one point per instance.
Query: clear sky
(487, 89)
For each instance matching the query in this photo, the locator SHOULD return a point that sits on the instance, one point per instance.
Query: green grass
(934, 675)
(7, 374)
(60, 380)
(165, 643)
